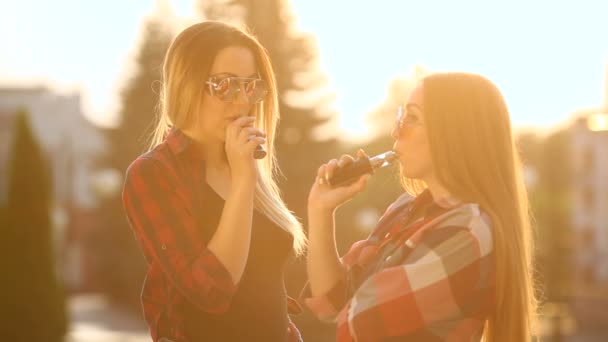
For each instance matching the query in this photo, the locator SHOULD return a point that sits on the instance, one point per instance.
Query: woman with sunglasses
(450, 260)
(207, 213)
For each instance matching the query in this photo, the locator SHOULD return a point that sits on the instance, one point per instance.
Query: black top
(258, 311)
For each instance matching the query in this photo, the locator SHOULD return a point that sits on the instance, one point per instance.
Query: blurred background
(78, 88)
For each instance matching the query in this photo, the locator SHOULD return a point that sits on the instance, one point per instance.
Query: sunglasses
(228, 89)
(403, 119)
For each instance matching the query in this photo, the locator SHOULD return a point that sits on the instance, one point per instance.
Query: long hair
(186, 68)
(475, 158)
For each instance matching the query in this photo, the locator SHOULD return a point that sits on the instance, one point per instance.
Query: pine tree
(550, 200)
(121, 266)
(34, 309)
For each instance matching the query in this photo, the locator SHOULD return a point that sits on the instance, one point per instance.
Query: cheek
(411, 140)
(415, 152)
(211, 116)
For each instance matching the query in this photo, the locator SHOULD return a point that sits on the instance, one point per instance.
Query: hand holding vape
(351, 172)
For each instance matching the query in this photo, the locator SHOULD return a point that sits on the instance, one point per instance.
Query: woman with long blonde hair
(203, 206)
(451, 259)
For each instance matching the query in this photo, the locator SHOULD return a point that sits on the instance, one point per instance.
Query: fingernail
(321, 180)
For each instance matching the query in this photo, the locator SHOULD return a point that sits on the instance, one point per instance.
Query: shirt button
(163, 247)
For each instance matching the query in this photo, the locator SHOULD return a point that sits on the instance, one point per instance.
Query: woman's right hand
(323, 198)
(241, 141)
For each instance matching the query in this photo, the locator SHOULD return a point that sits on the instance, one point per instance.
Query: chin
(409, 173)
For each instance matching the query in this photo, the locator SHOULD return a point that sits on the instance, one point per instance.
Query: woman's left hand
(325, 198)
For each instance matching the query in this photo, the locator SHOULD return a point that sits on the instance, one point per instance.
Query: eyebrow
(410, 106)
(229, 74)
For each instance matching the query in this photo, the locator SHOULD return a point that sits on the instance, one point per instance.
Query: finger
(238, 124)
(344, 160)
(248, 133)
(331, 167)
(359, 185)
(235, 126)
(361, 154)
(252, 144)
(321, 173)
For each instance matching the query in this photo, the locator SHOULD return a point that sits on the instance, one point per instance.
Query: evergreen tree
(34, 308)
(550, 198)
(120, 262)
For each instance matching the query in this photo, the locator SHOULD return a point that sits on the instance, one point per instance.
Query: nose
(241, 96)
(395, 132)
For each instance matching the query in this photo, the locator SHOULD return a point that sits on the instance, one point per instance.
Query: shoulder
(151, 162)
(402, 200)
(467, 224)
(155, 170)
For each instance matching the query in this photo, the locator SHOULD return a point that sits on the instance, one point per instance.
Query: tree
(550, 191)
(34, 309)
(120, 265)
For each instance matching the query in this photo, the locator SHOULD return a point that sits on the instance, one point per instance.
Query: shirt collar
(181, 144)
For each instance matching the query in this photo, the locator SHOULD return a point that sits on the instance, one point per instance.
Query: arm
(445, 284)
(322, 263)
(326, 272)
(164, 224)
(232, 239)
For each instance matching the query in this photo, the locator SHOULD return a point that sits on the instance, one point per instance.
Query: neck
(213, 152)
(440, 194)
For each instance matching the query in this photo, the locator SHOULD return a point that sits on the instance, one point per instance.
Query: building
(590, 195)
(73, 146)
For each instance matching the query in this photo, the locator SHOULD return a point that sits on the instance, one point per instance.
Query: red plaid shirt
(430, 280)
(158, 199)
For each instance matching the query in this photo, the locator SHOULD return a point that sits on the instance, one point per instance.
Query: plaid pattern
(158, 197)
(438, 286)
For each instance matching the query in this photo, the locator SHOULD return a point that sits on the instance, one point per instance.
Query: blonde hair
(475, 158)
(186, 68)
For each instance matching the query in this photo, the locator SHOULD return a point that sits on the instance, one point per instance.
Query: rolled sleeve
(163, 223)
(327, 306)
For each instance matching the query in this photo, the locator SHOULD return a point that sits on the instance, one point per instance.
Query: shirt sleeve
(404, 299)
(327, 306)
(163, 223)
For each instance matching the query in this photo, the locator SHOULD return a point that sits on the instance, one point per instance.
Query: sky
(549, 58)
